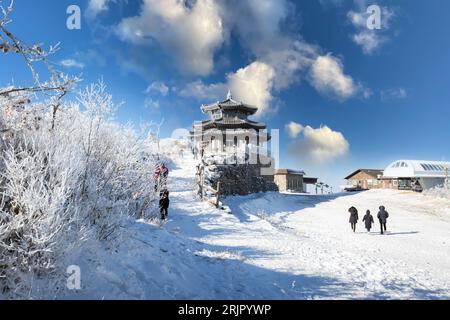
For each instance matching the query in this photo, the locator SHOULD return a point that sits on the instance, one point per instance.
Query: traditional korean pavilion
(228, 128)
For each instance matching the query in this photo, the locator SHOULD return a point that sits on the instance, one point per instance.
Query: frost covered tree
(69, 174)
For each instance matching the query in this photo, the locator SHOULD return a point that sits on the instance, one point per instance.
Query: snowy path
(277, 246)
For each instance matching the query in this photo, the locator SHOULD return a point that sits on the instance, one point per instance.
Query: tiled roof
(230, 104)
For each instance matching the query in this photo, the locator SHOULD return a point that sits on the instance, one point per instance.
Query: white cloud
(257, 23)
(71, 63)
(397, 93)
(257, 83)
(369, 40)
(152, 104)
(320, 146)
(158, 87)
(294, 129)
(289, 59)
(95, 7)
(328, 77)
(201, 91)
(253, 85)
(192, 34)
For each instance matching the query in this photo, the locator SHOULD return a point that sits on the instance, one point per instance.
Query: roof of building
(230, 104)
(288, 171)
(371, 172)
(309, 180)
(231, 124)
(417, 169)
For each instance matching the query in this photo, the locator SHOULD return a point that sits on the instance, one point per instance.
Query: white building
(416, 174)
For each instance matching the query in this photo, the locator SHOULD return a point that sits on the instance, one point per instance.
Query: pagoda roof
(231, 124)
(230, 104)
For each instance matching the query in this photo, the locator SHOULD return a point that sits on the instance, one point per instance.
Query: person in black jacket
(368, 220)
(164, 204)
(382, 217)
(353, 217)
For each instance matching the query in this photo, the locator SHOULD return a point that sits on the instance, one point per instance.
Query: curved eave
(230, 104)
(232, 126)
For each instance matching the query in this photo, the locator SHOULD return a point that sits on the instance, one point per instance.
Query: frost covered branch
(59, 83)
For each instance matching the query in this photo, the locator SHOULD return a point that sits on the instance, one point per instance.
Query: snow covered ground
(277, 246)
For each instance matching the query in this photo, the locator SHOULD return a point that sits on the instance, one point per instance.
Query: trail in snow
(277, 246)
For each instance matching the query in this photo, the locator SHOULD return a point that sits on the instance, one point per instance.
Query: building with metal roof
(421, 174)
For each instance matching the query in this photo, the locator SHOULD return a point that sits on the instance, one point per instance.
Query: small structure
(229, 130)
(291, 180)
(364, 179)
(233, 150)
(415, 175)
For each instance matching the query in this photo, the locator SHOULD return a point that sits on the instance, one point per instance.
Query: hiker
(160, 176)
(382, 217)
(353, 217)
(368, 219)
(164, 204)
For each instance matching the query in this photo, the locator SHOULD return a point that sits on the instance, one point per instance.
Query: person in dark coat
(368, 220)
(353, 217)
(164, 204)
(382, 217)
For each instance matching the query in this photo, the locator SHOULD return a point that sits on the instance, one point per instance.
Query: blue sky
(358, 98)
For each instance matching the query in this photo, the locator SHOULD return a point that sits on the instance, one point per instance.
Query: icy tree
(69, 174)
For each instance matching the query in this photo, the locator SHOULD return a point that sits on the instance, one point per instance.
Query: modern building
(415, 174)
(291, 180)
(364, 179)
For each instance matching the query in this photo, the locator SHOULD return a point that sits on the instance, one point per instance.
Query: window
(432, 167)
(216, 114)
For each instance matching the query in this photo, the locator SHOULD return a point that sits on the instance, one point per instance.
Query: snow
(276, 246)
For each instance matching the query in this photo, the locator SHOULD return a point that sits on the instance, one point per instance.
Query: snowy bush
(438, 192)
(64, 183)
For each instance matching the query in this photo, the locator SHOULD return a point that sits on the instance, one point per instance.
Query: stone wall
(239, 179)
(287, 182)
(362, 179)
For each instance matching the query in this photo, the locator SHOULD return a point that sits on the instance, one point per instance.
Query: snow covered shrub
(64, 183)
(438, 192)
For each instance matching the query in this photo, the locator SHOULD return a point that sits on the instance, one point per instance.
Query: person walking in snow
(368, 220)
(164, 204)
(195, 152)
(353, 217)
(160, 176)
(382, 217)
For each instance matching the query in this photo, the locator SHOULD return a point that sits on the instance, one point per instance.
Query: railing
(202, 188)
